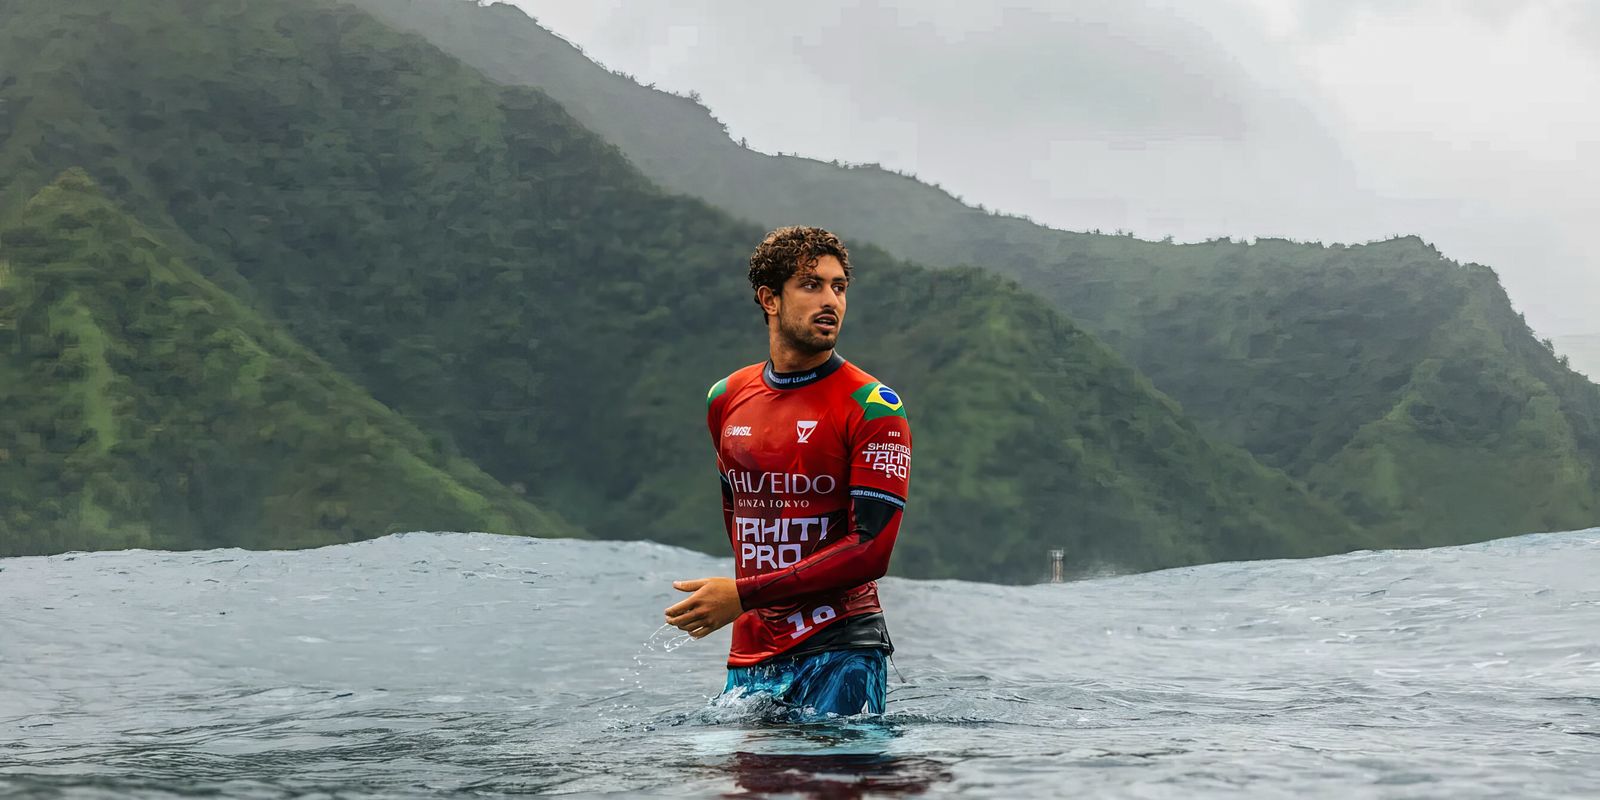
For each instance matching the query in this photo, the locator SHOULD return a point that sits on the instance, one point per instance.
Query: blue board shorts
(843, 682)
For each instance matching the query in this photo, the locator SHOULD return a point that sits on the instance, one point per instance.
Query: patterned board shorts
(842, 682)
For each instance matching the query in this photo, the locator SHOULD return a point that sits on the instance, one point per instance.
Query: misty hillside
(140, 406)
(486, 267)
(1399, 384)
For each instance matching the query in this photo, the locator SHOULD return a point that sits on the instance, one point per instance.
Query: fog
(1470, 124)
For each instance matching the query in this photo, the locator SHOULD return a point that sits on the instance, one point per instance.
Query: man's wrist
(745, 587)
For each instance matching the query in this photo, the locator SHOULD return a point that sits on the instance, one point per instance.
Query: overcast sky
(1474, 124)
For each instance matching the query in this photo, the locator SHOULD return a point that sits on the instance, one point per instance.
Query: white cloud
(1472, 124)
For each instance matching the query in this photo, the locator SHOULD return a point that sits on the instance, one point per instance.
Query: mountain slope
(143, 407)
(1488, 428)
(1297, 352)
(489, 268)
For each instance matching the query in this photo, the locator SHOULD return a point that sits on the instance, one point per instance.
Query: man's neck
(795, 362)
(787, 359)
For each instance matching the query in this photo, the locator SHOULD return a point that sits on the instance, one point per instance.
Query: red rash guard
(814, 470)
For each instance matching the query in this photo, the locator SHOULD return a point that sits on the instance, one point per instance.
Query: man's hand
(715, 603)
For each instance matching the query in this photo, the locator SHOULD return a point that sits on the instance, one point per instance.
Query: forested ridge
(1400, 385)
(531, 305)
(141, 406)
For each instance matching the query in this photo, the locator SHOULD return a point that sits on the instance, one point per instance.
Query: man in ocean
(814, 456)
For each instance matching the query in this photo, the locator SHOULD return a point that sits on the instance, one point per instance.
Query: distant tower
(1057, 557)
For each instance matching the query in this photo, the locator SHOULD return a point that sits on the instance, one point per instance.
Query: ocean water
(471, 665)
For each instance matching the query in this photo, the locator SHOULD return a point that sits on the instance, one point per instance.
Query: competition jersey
(814, 470)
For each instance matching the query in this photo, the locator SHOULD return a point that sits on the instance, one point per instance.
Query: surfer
(814, 456)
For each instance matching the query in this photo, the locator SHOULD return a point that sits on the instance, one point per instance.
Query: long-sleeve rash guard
(814, 467)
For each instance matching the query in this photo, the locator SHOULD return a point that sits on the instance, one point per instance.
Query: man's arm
(880, 473)
(714, 602)
(714, 426)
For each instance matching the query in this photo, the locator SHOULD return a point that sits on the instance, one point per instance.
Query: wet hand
(713, 604)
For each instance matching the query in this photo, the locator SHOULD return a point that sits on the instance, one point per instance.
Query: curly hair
(788, 250)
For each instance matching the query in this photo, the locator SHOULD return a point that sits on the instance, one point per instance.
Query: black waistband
(861, 632)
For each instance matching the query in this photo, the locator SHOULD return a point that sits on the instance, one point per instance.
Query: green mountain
(1583, 352)
(1311, 357)
(1488, 430)
(140, 406)
(507, 280)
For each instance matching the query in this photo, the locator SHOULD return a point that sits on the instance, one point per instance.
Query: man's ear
(768, 299)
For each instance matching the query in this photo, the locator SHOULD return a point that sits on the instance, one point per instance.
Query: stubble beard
(802, 338)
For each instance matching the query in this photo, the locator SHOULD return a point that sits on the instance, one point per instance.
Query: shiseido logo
(780, 483)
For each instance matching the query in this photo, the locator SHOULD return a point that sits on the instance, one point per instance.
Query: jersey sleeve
(714, 410)
(879, 477)
(880, 462)
(714, 426)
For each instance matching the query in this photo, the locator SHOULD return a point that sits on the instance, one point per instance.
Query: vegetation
(140, 406)
(1401, 385)
(487, 267)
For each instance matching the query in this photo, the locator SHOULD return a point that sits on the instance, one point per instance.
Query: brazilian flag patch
(716, 391)
(879, 401)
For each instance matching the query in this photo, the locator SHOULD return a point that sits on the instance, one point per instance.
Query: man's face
(810, 310)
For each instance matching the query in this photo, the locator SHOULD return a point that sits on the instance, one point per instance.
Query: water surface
(476, 665)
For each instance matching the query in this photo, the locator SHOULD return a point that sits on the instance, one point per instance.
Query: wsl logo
(803, 429)
(879, 401)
